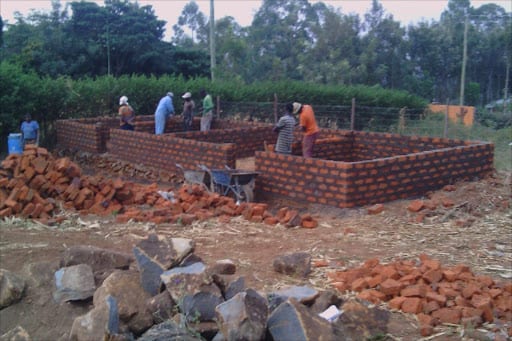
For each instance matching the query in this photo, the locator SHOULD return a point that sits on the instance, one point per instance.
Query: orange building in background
(456, 115)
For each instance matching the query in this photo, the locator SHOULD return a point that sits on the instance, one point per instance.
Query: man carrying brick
(308, 124)
(164, 109)
(285, 127)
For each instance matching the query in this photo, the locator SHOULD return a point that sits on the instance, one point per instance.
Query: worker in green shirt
(206, 119)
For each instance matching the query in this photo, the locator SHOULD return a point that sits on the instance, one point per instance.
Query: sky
(405, 11)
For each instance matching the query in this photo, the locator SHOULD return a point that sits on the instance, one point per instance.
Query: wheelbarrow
(196, 176)
(236, 183)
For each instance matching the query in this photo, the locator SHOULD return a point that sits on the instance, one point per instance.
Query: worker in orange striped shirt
(308, 124)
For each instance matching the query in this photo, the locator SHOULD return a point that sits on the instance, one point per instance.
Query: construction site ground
(476, 230)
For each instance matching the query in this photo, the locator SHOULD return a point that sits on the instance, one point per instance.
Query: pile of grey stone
(164, 291)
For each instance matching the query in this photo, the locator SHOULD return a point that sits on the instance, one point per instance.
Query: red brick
(441, 299)
(429, 307)
(359, 284)
(372, 296)
(433, 276)
(376, 209)
(390, 287)
(470, 290)
(415, 205)
(414, 291)
(449, 275)
(447, 315)
(396, 302)
(412, 305)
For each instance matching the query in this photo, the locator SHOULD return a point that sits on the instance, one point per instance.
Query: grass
(433, 125)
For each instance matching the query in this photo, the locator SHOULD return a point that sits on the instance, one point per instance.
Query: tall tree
(193, 20)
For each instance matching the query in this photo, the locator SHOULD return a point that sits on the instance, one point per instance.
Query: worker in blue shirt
(30, 131)
(164, 109)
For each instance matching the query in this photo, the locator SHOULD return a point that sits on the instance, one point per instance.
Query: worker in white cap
(126, 114)
(164, 109)
(188, 111)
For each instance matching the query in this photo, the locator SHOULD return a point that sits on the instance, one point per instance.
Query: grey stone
(295, 264)
(324, 301)
(101, 321)
(243, 317)
(11, 288)
(40, 274)
(293, 321)
(97, 258)
(200, 307)
(303, 294)
(223, 267)
(161, 307)
(150, 272)
(229, 285)
(102, 261)
(188, 280)
(358, 321)
(167, 331)
(16, 334)
(74, 283)
(190, 259)
(131, 299)
(166, 252)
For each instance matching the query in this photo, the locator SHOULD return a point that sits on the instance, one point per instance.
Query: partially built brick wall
(85, 134)
(164, 151)
(246, 137)
(387, 177)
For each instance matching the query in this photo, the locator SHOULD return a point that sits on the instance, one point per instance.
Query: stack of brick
(34, 183)
(436, 294)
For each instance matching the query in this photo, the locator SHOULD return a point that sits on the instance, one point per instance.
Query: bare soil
(476, 231)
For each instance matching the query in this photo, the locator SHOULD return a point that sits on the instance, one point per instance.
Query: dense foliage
(287, 40)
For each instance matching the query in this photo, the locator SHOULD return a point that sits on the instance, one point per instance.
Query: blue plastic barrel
(15, 144)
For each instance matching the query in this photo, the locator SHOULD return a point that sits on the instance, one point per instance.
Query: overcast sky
(405, 11)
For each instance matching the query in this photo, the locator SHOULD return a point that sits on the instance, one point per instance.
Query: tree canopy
(287, 40)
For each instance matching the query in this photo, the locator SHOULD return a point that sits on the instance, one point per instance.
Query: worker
(30, 131)
(126, 114)
(309, 127)
(206, 119)
(285, 127)
(188, 111)
(164, 109)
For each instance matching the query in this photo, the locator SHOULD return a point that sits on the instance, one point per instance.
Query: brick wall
(247, 138)
(164, 151)
(386, 178)
(87, 134)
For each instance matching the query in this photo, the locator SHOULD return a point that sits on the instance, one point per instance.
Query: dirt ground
(476, 231)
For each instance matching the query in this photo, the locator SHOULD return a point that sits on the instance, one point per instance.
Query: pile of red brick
(434, 293)
(34, 184)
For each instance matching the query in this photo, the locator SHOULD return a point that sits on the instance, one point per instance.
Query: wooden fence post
(275, 108)
(218, 107)
(353, 114)
(445, 130)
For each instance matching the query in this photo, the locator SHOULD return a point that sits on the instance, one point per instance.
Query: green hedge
(49, 99)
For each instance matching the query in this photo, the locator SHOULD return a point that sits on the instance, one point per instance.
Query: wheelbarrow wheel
(247, 193)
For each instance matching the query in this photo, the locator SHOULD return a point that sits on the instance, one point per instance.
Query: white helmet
(123, 100)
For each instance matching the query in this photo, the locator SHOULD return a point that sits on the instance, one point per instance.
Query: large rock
(188, 280)
(200, 306)
(295, 264)
(229, 285)
(131, 299)
(99, 323)
(223, 267)
(11, 288)
(360, 322)
(155, 255)
(161, 307)
(166, 252)
(16, 334)
(293, 321)
(166, 331)
(74, 283)
(40, 274)
(244, 317)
